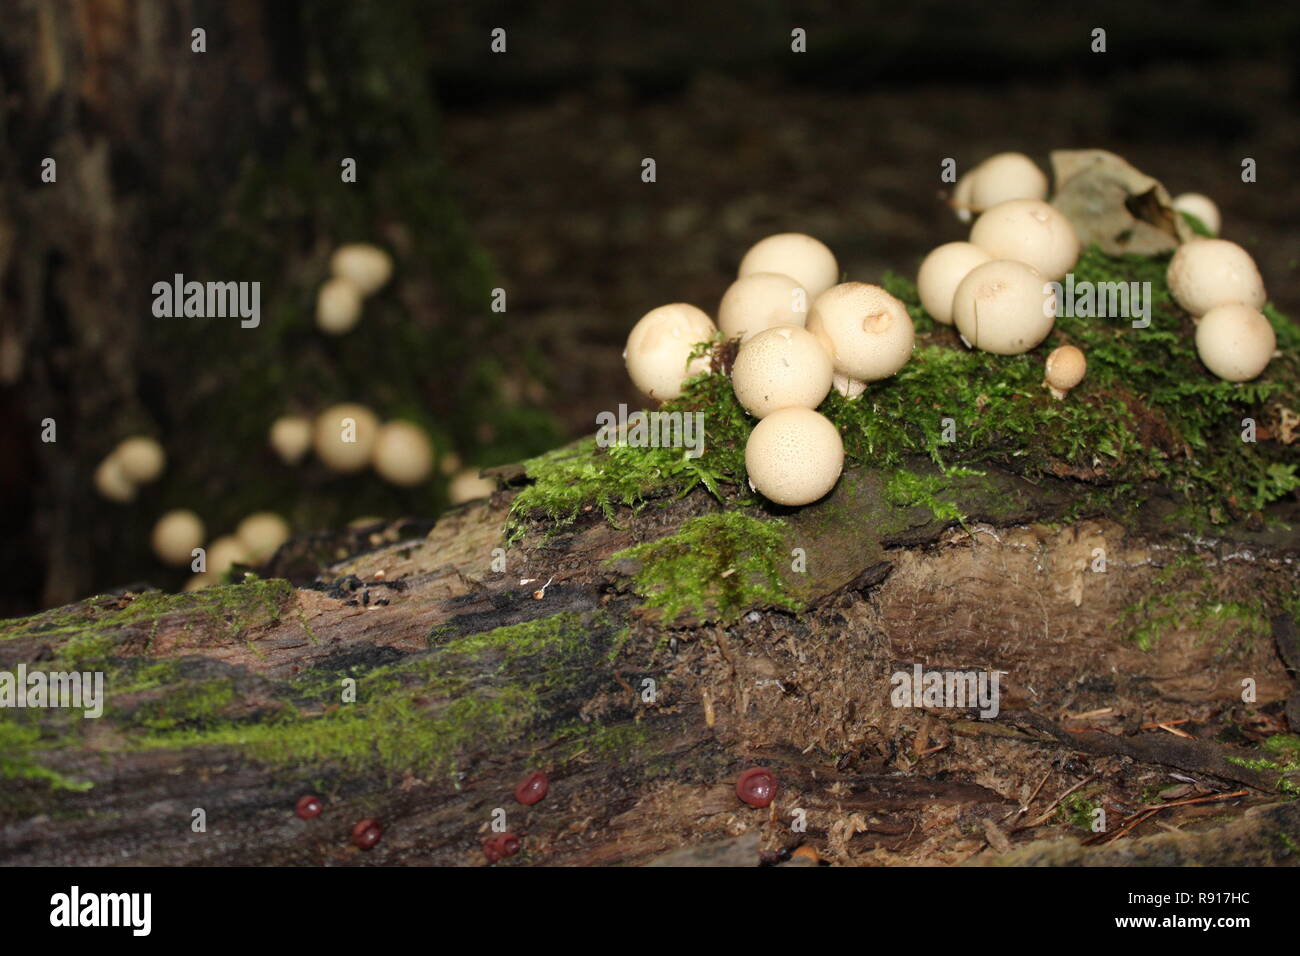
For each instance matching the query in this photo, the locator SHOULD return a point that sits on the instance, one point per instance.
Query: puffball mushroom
(866, 331)
(1207, 272)
(794, 456)
(1028, 231)
(142, 459)
(1006, 176)
(345, 436)
(942, 271)
(338, 306)
(224, 553)
(261, 533)
(367, 267)
(793, 254)
(403, 453)
(1202, 207)
(198, 581)
(961, 196)
(111, 481)
(1235, 341)
(761, 300)
(659, 348)
(1004, 307)
(779, 368)
(468, 486)
(1064, 370)
(176, 535)
(291, 438)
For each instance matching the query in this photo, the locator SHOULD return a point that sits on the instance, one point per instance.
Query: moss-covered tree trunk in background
(221, 165)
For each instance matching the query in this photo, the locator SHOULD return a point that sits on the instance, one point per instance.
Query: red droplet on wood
(533, 788)
(757, 786)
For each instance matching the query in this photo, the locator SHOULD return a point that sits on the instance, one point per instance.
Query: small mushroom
(403, 453)
(175, 536)
(866, 331)
(367, 267)
(366, 833)
(793, 254)
(197, 582)
(1064, 370)
(961, 196)
(848, 387)
(261, 533)
(1028, 231)
(468, 486)
(142, 459)
(794, 456)
(308, 807)
(111, 481)
(224, 553)
(345, 436)
(942, 271)
(533, 788)
(291, 438)
(1202, 207)
(1006, 176)
(779, 368)
(757, 786)
(760, 301)
(1235, 341)
(659, 348)
(1207, 272)
(1004, 307)
(338, 306)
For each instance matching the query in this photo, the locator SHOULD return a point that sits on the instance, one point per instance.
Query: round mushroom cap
(793, 254)
(223, 554)
(659, 348)
(780, 368)
(1207, 272)
(367, 267)
(1202, 207)
(261, 533)
(961, 196)
(345, 436)
(1028, 231)
(942, 271)
(1065, 368)
(1004, 307)
(761, 300)
(403, 453)
(338, 306)
(1006, 176)
(111, 481)
(176, 535)
(291, 438)
(848, 387)
(794, 456)
(142, 459)
(468, 486)
(866, 331)
(198, 581)
(1235, 341)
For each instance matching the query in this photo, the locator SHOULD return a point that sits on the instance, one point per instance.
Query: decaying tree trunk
(468, 677)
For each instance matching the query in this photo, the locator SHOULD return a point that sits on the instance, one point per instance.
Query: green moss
(1185, 594)
(19, 745)
(716, 566)
(907, 489)
(1284, 760)
(1077, 810)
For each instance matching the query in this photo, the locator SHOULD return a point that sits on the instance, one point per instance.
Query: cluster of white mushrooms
(802, 332)
(178, 534)
(357, 270)
(138, 460)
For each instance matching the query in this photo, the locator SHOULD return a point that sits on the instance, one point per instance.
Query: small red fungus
(367, 833)
(500, 846)
(756, 786)
(308, 807)
(533, 788)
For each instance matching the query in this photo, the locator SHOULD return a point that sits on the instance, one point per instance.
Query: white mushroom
(1064, 370)
(111, 481)
(176, 535)
(961, 196)
(198, 581)
(866, 331)
(1028, 231)
(1006, 176)
(345, 436)
(367, 267)
(403, 453)
(338, 306)
(794, 456)
(468, 486)
(793, 254)
(942, 271)
(291, 438)
(142, 459)
(261, 533)
(1202, 207)
(760, 301)
(1004, 307)
(848, 387)
(659, 348)
(780, 368)
(1207, 272)
(224, 553)
(1235, 341)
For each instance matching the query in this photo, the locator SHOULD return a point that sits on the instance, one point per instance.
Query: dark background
(521, 171)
